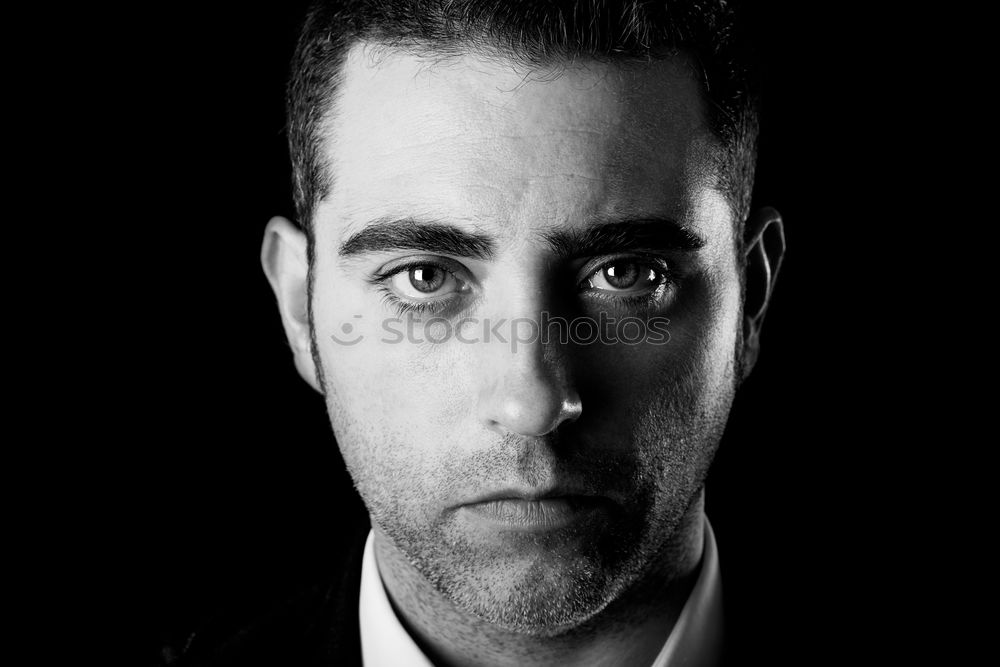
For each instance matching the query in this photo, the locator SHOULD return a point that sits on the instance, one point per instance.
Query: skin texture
(519, 156)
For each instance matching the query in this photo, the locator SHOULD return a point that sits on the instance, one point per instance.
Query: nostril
(535, 412)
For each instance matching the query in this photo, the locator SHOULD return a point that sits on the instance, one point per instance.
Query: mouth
(536, 512)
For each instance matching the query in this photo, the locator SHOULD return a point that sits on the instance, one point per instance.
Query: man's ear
(765, 248)
(286, 265)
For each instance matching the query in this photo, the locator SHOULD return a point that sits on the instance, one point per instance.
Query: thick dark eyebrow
(385, 234)
(663, 234)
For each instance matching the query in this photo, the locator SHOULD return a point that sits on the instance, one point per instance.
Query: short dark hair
(535, 32)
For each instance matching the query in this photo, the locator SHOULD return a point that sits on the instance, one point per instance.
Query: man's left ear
(765, 248)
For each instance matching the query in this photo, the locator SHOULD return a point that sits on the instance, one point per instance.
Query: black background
(225, 470)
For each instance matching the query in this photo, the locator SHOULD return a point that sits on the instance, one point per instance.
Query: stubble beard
(556, 584)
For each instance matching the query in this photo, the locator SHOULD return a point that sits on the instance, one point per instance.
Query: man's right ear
(286, 265)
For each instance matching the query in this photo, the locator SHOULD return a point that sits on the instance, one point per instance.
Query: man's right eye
(421, 286)
(422, 280)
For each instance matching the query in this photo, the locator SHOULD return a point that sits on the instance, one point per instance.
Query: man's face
(477, 190)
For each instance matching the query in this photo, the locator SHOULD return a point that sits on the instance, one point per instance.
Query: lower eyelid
(405, 305)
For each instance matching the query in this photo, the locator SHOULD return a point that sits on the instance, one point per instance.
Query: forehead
(485, 141)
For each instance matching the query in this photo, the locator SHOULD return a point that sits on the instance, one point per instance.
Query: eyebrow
(639, 234)
(430, 236)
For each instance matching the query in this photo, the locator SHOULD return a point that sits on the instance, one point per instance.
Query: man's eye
(625, 277)
(424, 286)
(424, 280)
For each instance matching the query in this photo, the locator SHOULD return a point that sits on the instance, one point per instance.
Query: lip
(547, 492)
(531, 512)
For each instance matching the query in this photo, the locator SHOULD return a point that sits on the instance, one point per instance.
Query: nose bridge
(528, 386)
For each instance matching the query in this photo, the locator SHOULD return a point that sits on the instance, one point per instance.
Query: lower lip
(545, 514)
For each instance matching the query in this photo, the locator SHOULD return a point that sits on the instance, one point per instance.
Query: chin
(543, 599)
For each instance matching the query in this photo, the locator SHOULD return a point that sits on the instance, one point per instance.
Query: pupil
(622, 276)
(426, 278)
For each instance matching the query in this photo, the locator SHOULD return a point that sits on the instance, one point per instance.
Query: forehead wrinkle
(372, 57)
(356, 71)
(612, 151)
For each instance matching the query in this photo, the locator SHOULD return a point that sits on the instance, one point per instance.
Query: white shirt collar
(694, 640)
(384, 641)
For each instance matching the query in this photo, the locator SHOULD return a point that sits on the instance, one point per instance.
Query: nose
(530, 392)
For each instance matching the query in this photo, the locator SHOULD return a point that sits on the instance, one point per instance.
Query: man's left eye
(625, 277)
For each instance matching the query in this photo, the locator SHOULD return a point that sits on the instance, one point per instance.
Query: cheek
(707, 333)
(382, 370)
(699, 354)
(420, 389)
(667, 405)
(399, 407)
(397, 425)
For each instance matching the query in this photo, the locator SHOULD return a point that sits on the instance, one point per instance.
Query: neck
(629, 631)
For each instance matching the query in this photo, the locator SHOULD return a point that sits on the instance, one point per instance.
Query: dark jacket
(305, 627)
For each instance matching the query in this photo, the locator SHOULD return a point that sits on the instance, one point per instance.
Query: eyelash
(401, 306)
(645, 301)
